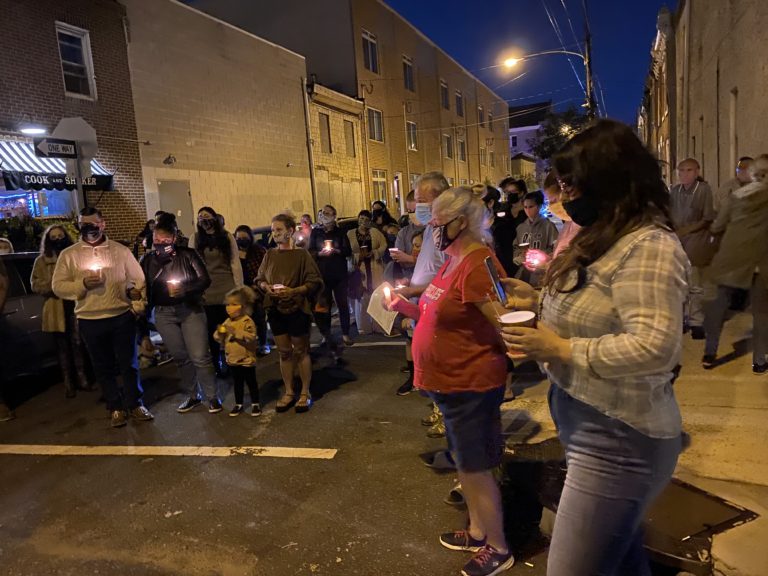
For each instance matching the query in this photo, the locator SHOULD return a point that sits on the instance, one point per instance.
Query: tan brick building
(69, 59)
(423, 111)
(715, 84)
(225, 114)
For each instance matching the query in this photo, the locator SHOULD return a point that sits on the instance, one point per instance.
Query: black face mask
(513, 199)
(440, 236)
(583, 211)
(243, 244)
(206, 224)
(164, 250)
(90, 232)
(60, 244)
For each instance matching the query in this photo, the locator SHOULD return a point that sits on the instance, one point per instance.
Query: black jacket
(185, 266)
(333, 267)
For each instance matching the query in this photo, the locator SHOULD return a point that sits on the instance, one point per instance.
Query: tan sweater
(240, 347)
(120, 269)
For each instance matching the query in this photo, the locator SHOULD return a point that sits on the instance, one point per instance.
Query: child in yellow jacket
(237, 334)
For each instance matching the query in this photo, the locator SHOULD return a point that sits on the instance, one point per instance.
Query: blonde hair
(463, 201)
(247, 298)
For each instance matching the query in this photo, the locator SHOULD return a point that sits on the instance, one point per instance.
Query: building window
(448, 145)
(459, 103)
(444, 95)
(450, 181)
(481, 115)
(483, 157)
(375, 125)
(492, 158)
(325, 133)
(462, 181)
(349, 138)
(370, 52)
(514, 141)
(490, 121)
(379, 178)
(413, 142)
(462, 150)
(76, 61)
(408, 81)
(413, 179)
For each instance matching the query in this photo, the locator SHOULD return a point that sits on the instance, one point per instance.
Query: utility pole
(590, 104)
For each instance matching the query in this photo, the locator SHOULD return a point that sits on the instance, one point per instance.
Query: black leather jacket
(186, 266)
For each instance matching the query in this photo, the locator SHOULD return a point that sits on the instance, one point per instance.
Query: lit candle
(534, 259)
(398, 286)
(387, 294)
(174, 282)
(328, 246)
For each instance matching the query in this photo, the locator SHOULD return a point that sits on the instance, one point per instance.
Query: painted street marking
(200, 451)
(374, 344)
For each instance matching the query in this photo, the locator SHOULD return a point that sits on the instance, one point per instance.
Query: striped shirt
(625, 327)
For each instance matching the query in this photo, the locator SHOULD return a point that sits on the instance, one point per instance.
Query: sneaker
(236, 410)
(215, 406)
(488, 562)
(437, 430)
(759, 368)
(264, 350)
(433, 417)
(256, 409)
(406, 388)
(118, 419)
(461, 540)
(188, 404)
(697, 333)
(141, 413)
(6, 414)
(709, 361)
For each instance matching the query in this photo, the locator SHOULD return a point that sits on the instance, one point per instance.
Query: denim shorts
(473, 427)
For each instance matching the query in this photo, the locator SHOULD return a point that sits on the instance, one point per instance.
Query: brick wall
(226, 104)
(32, 88)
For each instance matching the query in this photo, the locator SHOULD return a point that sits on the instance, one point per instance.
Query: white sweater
(120, 269)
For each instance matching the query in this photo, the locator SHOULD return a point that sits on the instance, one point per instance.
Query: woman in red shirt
(460, 361)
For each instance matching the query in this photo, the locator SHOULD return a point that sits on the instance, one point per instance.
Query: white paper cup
(521, 318)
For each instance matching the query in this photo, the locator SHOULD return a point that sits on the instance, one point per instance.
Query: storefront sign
(41, 181)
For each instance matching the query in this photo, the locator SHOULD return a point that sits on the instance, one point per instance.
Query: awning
(22, 170)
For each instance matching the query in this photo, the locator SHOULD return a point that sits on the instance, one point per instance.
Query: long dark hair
(45, 244)
(218, 240)
(608, 164)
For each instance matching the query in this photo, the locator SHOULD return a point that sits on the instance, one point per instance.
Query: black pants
(215, 314)
(334, 289)
(111, 343)
(245, 375)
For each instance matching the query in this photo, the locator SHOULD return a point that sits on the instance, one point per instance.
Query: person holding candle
(609, 337)
(330, 248)
(222, 260)
(368, 246)
(303, 231)
(58, 315)
(289, 279)
(251, 256)
(176, 280)
(536, 233)
(460, 363)
(103, 278)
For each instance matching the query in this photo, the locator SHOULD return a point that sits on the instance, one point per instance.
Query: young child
(238, 337)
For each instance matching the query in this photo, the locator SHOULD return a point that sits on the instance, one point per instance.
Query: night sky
(481, 33)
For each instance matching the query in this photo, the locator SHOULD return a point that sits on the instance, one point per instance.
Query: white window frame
(459, 101)
(370, 37)
(462, 150)
(483, 157)
(462, 181)
(85, 38)
(408, 63)
(412, 138)
(379, 176)
(444, 91)
(372, 112)
(448, 151)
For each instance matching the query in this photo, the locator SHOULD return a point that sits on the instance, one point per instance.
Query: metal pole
(591, 112)
(79, 177)
(403, 192)
(310, 152)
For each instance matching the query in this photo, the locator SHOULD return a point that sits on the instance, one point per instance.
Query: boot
(65, 363)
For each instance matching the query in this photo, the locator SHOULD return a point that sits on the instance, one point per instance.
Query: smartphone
(497, 285)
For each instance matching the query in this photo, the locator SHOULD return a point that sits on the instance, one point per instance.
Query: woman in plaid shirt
(609, 336)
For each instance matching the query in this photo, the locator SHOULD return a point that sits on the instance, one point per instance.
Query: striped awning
(22, 169)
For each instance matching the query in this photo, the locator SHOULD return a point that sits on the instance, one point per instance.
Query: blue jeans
(111, 343)
(614, 474)
(185, 335)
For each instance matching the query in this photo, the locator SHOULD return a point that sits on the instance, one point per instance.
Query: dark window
(325, 133)
(408, 80)
(459, 104)
(370, 52)
(413, 142)
(444, 98)
(349, 137)
(76, 63)
(375, 125)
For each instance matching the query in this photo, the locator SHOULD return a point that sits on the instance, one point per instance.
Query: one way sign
(55, 148)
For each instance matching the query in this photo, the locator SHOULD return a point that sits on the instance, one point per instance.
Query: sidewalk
(725, 411)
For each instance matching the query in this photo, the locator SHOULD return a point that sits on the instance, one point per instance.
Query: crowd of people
(611, 267)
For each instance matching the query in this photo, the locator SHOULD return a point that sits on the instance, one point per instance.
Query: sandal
(455, 497)
(305, 401)
(285, 402)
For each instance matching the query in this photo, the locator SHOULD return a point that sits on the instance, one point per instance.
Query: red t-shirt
(455, 347)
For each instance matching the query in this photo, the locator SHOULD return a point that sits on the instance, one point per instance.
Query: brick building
(423, 111)
(708, 82)
(225, 114)
(69, 59)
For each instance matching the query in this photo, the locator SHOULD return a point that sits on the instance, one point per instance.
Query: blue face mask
(423, 213)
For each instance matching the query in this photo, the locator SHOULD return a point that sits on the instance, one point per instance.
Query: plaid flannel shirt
(625, 327)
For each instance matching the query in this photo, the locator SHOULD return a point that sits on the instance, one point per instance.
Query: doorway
(176, 198)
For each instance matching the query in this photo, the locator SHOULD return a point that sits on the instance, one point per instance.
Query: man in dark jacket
(330, 247)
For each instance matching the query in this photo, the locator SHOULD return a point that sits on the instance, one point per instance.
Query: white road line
(374, 344)
(204, 451)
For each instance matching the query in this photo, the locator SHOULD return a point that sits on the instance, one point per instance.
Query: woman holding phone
(289, 279)
(609, 337)
(459, 361)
